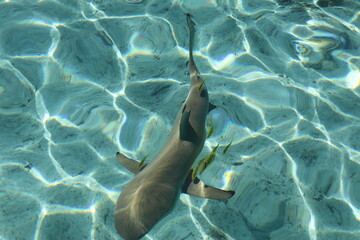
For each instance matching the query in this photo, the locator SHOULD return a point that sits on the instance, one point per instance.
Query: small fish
(105, 38)
(201, 85)
(211, 128)
(227, 146)
(209, 159)
(143, 160)
(196, 168)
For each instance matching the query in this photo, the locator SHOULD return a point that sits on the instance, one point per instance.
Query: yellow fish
(195, 170)
(209, 159)
(227, 146)
(143, 160)
(211, 128)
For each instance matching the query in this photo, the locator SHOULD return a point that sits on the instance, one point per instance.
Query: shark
(152, 194)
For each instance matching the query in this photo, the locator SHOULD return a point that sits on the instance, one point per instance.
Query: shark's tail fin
(191, 26)
(196, 79)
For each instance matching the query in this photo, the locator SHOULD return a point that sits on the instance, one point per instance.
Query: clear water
(81, 80)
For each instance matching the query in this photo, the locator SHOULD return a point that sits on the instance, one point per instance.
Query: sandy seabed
(81, 80)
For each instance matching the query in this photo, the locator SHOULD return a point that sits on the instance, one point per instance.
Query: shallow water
(81, 80)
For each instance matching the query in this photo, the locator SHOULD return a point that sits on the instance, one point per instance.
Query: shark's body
(155, 189)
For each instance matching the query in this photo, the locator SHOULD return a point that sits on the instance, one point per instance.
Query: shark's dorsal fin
(199, 189)
(187, 132)
(130, 164)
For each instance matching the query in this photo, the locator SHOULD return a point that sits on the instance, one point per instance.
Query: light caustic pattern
(81, 80)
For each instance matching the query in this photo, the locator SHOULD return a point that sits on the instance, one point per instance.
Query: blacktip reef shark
(152, 194)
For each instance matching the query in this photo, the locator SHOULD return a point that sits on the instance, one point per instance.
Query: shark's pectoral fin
(130, 164)
(197, 188)
(211, 107)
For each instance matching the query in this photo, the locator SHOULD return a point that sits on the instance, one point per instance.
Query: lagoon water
(83, 79)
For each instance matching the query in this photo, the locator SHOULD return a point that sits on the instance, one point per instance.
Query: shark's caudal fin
(130, 164)
(195, 76)
(191, 26)
(199, 189)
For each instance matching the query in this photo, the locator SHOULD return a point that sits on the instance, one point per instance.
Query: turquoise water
(81, 80)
